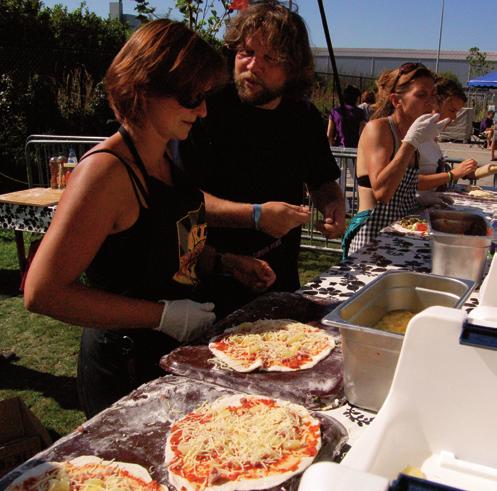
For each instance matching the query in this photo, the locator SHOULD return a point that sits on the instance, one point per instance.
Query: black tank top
(157, 256)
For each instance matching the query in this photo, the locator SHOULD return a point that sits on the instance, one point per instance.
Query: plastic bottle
(72, 161)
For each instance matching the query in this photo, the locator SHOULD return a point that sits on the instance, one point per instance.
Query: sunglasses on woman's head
(404, 70)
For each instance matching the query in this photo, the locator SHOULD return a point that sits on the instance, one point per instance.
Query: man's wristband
(256, 215)
(451, 177)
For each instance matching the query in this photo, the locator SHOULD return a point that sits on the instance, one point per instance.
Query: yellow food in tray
(395, 321)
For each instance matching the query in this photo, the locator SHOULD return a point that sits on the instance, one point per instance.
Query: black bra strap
(132, 148)
(139, 189)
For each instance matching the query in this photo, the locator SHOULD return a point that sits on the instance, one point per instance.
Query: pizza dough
(86, 473)
(272, 345)
(480, 193)
(241, 442)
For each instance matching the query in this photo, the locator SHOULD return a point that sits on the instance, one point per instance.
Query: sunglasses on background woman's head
(404, 69)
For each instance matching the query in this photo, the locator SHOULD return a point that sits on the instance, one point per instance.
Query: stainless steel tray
(398, 290)
(459, 243)
(370, 355)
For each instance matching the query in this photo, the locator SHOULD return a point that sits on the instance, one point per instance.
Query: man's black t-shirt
(243, 153)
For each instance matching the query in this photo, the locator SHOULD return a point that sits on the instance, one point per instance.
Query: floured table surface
(135, 429)
(315, 388)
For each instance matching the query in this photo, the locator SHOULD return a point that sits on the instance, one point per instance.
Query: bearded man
(261, 141)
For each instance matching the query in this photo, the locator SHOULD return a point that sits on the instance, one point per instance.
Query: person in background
(487, 127)
(435, 172)
(493, 146)
(133, 222)
(387, 156)
(260, 143)
(368, 99)
(346, 122)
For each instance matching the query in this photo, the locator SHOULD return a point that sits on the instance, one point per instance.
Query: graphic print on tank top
(192, 234)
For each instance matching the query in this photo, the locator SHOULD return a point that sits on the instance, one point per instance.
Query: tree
(478, 64)
(205, 17)
(51, 65)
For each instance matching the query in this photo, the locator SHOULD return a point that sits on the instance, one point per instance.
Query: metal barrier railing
(311, 238)
(39, 148)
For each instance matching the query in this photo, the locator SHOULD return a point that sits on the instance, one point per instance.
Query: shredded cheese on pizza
(90, 477)
(280, 344)
(251, 438)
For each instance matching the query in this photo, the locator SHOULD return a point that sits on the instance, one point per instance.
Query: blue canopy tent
(489, 80)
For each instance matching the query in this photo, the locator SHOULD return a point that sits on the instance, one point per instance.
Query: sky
(396, 24)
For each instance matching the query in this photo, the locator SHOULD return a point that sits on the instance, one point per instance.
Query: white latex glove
(184, 320)
(426, 127)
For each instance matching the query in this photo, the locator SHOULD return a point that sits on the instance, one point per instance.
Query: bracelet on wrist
(256, 215)
(451, 177)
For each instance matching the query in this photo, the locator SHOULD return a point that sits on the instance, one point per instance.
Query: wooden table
(29, 210)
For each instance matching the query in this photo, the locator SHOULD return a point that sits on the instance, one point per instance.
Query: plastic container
(460, 243)
(72, 161)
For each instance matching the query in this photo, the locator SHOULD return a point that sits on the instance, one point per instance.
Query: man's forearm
(225, 213)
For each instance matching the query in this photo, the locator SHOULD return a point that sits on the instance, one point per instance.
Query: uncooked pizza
(272, 345)
(412, 224)
(241, 442)
(86, 473)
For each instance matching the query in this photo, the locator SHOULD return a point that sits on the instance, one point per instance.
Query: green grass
(44, 375)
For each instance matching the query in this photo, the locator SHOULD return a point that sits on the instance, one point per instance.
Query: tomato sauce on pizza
(241, 441)
(272, 345)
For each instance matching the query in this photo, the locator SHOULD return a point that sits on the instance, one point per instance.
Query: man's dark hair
(350, 95)
(285, 33)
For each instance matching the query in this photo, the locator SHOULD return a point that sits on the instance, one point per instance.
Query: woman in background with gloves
(435, 173)
(135, 225)
(387, 155)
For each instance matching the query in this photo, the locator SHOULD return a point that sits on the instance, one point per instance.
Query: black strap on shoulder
(140, 192)
(132, 148)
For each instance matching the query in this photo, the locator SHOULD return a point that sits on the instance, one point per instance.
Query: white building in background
(370, 62)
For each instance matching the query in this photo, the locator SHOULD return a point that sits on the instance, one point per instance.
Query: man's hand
(333, 224)
(329, 200)
(278, 217)
(253, 273)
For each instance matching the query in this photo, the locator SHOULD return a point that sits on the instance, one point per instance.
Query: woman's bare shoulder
(376, 131)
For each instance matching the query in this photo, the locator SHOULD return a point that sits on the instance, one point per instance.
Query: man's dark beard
(264, 96)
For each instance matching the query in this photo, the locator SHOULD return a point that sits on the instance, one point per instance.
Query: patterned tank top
(402, 202)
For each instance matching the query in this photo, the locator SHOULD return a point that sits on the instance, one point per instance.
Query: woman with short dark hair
(131, 220)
